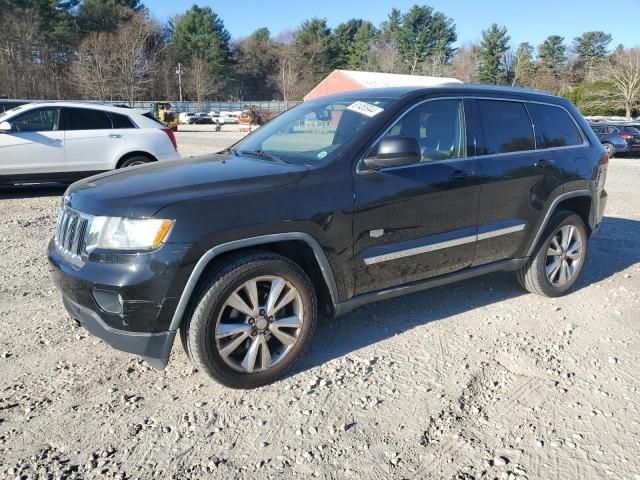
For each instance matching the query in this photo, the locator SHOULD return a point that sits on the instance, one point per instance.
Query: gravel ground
(472, 380)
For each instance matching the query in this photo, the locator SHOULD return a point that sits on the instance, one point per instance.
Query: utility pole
(179, 72)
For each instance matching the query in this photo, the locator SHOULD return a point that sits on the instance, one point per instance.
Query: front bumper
(148, 286)
(155, 348)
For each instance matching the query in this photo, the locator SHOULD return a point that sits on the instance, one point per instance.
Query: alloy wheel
(259, 324)
(564, 255)
(609, 149)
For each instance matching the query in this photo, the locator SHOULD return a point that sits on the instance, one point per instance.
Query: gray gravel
(473, 380)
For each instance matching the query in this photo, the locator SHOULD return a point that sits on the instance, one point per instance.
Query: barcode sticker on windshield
(365, 109)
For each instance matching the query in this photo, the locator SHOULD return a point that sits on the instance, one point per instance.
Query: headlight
(116, 233)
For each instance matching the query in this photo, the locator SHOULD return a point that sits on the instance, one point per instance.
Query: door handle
(544, 163)
(461, 175)
(115, 135)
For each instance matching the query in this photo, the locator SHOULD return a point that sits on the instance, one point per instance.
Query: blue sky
(531, 20)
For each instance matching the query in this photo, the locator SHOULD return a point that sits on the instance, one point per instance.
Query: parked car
(186, 118)
(202, 118)
(223, 119)
(64, 141)
(408, 189)
(229, 117)
(617, 137)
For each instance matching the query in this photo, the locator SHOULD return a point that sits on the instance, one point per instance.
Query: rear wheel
(251, 320)
(133, 161)
(609, 149)
(559, 260)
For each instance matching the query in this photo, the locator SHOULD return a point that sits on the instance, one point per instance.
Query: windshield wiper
(263, 154)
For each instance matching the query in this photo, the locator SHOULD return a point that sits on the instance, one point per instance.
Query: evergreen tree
(495, 42)
(106, 15)
(313, 47)
(524, 65)
(425, 33)
(553, 54)
(200, 32)
(360, 48)
(342, 41)
(591, 49)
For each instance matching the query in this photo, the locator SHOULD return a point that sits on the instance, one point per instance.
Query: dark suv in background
(340, 201)
(618, 137)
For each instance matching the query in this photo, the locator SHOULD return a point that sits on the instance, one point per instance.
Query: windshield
(313, 132)
(5, 114)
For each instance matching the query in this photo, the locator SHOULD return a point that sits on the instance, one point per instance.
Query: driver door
(35, 147)
(419, 221)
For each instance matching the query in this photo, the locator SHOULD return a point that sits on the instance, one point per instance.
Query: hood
(143, 190)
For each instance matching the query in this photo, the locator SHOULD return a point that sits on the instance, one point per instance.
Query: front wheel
(559, 260)
(251, 320)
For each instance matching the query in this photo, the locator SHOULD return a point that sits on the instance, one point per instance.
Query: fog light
(110, 302)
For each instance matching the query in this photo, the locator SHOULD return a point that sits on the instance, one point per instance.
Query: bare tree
(624, 74)
(199, 80)
(18, 65)
(94, 71)
(436, 66)
(138, 46)
(119, 64)
(288, 73)
(465, 63)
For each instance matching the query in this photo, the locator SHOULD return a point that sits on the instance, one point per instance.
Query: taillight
(171, 136)
(625, 136)
(604, 159)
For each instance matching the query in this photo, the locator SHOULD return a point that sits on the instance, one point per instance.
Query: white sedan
(65, 141)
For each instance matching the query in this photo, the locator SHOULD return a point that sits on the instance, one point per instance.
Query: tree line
(115, 50)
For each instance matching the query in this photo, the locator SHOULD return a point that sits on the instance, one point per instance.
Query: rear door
(518, 179)
(418, 221)
(91, 142)
(512, 178)
(34, 150)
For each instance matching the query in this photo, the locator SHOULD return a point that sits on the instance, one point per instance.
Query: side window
(596, 129)
(506, 126)
(121, 121)
(86, 119)
(38, 120)
(554, 127)
(438, 126)
(612, 130)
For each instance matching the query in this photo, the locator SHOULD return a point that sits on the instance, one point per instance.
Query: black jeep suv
(343, 200)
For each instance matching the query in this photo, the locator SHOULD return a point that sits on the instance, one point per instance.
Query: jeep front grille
(71, 231)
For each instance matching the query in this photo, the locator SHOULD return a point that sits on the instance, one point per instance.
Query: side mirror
(5, 127)
(394, 152)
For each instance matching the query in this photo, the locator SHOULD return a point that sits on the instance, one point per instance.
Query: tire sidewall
(212, 303)
(541, 255)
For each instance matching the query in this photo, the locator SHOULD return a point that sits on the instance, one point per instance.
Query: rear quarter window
(121, 121)
(554, 127)
(506, 127)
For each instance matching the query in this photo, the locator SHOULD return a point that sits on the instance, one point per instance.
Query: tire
(220, 339)
(133, 161)
(539, 274)
(611, 151)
